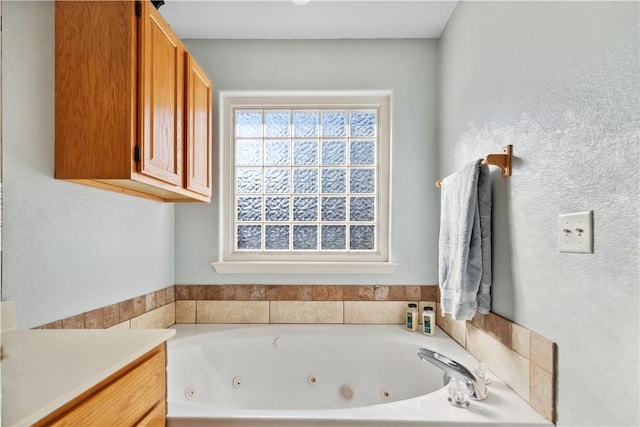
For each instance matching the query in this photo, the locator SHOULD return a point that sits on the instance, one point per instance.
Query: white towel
(465, 242)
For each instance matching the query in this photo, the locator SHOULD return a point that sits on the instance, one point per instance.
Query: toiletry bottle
(412, 317)
(428, 321)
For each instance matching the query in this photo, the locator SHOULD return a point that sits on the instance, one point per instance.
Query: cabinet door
(161, 98)
(95, 89)
(198, 134)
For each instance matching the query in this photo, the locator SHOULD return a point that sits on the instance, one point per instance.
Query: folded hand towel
(465, 242)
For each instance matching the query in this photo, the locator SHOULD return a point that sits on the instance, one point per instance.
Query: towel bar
(503, 161)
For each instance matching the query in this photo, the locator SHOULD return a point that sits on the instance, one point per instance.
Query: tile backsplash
(365, 304)
(153, 310)
(524, 360)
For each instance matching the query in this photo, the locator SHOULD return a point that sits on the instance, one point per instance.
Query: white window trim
(375, 262)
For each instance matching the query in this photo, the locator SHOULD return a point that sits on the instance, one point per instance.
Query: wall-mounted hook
(503, 161)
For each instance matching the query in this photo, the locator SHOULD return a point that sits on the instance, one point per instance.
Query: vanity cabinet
(133, 108)
(133, 396)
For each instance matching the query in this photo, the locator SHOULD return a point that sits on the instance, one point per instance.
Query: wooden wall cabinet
(198, 128)
(133, 108)
(133, 396)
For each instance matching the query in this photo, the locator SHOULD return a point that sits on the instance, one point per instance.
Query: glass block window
(307, 178)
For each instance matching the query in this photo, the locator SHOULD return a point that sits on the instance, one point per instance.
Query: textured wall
(408, 67)
(559, 81)
(66, 248)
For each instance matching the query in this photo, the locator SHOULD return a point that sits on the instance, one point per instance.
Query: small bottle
(412, 317)
(428, 321)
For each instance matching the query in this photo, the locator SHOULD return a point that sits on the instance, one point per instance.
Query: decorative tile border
(307, 292)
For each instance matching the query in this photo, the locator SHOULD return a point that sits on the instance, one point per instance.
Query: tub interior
(294, 368)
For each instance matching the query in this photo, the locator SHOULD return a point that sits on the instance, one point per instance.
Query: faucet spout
(477, 389)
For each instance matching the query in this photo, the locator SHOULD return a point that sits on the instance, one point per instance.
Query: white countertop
(44, 369)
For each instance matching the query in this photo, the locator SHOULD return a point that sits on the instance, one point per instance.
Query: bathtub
(322, 375)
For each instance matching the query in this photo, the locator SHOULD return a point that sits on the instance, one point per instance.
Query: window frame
(231, 261)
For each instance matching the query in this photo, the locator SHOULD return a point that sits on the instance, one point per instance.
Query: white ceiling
(319, 19)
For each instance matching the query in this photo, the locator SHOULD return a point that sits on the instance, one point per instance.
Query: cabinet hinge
(136, 154)
(138, 8)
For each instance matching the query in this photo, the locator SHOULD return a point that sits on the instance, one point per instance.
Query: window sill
(305, 267)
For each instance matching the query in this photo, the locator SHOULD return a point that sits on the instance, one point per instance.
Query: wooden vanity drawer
(156, 418)
(135, 395)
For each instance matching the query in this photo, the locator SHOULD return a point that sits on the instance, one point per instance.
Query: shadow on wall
(502, 272)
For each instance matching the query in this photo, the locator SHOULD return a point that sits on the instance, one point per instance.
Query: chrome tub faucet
(477, 388)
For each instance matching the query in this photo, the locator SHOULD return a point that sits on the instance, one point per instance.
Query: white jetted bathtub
(322, 375)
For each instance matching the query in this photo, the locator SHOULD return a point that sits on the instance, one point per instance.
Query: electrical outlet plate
(575, 232)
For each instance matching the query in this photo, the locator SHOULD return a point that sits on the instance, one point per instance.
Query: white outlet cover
(575, 232)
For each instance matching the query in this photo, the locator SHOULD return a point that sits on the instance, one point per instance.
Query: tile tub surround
(524, 360)
(379, 304)
(358, 304)
(153, 310)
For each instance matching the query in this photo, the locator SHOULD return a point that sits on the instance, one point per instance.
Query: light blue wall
(559, 81)
(408, 68)
(67, 248)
